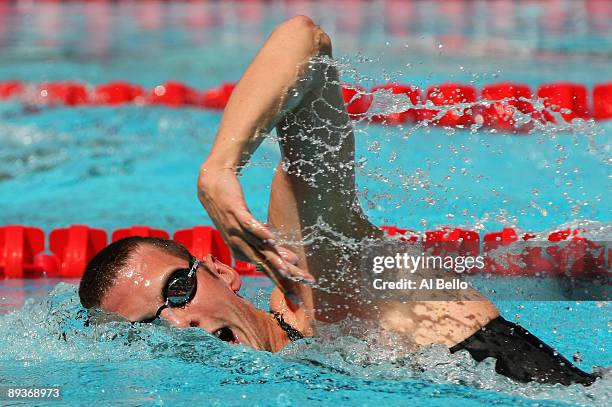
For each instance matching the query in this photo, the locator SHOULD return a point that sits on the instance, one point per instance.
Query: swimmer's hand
(221, 195)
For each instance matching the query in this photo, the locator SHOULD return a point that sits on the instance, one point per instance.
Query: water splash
(53, 330)
(565, 157)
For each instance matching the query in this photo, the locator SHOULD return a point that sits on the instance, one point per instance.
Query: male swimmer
(290, 86)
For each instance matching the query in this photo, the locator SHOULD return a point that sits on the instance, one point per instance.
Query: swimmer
(291, 86)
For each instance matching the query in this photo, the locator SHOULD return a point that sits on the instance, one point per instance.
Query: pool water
(113, 167)
(48, 342)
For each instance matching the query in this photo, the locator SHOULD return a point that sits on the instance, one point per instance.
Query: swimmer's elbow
(323, 42)
(298, 23)
(304, 30)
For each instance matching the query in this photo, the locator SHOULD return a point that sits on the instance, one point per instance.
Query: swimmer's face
(215, 307)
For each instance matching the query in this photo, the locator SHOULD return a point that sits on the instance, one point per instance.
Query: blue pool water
(47, 342)
(112, 167)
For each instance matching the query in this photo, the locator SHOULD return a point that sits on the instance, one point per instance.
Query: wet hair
(102, 271)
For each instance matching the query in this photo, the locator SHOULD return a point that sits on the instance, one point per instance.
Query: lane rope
(561, 252)
(504, 106)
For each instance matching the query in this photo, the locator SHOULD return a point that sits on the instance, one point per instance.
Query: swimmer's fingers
(256, 233)
(249, 239)
(245, 232)
(299, 275)
(285, 269)
(285, 275)
(289, 281)
(288, 255)
(293, 271)
(259, 236)
(221, 195)
(280, 261)
(271, 269)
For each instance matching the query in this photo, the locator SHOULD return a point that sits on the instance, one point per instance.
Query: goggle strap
(194, 267)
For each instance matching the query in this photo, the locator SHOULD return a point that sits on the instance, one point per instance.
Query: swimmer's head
(136, 276)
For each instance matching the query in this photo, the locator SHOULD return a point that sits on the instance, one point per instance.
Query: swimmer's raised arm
(272, 84)
(263, 93)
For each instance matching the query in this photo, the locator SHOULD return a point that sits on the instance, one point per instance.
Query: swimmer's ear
(230, 276)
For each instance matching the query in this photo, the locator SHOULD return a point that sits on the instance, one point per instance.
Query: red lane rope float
(448, 95)
(9, 89)
(602, 101)
(568, 98)
(409, 115)
(22, 249)
(75, 246)
(204, 240)
(494, 105)
(143, 231)
(501, 115)
(18, 247)
(173, 94)
(357, 100)
(69, 93)
(216, 98)
(507, 263)
(117, 93)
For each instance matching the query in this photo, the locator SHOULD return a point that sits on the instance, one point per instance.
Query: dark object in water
(521, 356)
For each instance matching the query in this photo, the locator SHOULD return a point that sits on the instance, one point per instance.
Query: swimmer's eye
(179, 290)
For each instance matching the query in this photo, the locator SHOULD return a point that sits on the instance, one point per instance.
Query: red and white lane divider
(496, 106)
(23, 255)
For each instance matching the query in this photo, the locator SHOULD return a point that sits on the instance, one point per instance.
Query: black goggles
(180, 288)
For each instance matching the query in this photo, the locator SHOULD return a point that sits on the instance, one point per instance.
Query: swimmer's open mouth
(226, 335)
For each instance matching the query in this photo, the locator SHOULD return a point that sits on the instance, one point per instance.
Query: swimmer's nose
(180, 321)
(176, 320)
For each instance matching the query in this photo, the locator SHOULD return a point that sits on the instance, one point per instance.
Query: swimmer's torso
(420, 322)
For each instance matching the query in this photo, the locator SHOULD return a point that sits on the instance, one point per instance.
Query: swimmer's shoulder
(294, 315)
